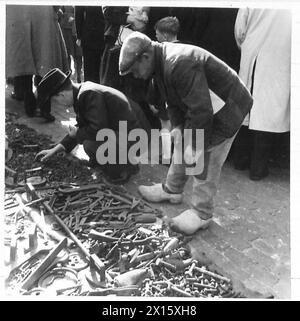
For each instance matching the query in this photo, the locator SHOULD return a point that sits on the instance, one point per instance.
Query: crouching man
(184, 74)
(96, 107)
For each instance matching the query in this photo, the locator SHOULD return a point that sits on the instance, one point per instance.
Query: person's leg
(204, 191)
(18, 92)
(205, 185)
(104, 66)
(91, 61)
(173, 187)
(29, 98)
(36, 80)
(242, 146)
(45, 109)
(77, 59)
(78, 67)
(115, 172)
(262, 144)
(109, 69)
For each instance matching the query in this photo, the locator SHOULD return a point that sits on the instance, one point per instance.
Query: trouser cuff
(204, 215)
(167, 189)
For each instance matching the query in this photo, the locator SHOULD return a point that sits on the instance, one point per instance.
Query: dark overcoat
(90, 24)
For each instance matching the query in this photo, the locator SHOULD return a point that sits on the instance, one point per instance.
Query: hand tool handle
(94, 259)
(36, 218)
(44, 265)
(91, 258)
(145, 218)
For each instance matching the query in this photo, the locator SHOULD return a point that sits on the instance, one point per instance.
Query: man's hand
(78, 42)
(191, 156)
(72, 131)
(176, 134)
(153, 109)
(45, 154)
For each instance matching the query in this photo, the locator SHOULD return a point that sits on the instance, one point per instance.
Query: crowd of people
(223, 70)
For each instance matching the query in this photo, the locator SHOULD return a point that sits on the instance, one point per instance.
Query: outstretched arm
(47, 153)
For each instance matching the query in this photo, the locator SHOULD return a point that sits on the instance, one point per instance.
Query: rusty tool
(80, 188)
(120, 291)
(93, 259)
(32, 238)
(132, 277)
(12, 174)
(171, 245)
(13, 240)
(37, 180)
(44, 265)
(212, 274)
(37, 219)
(189, 272)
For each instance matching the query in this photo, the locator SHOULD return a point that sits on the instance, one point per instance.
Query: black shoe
(30, 104)
(134, 169)
(92, 162)
(124, 175)
(258, 175)
(13, 95)
(48, 117)
(122, 179)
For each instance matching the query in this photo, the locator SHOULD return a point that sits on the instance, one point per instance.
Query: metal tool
(44, 265)
(93, 259)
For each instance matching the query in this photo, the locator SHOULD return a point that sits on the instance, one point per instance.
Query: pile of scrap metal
(98, 240)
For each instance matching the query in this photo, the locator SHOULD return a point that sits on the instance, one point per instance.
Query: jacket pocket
(228, 119)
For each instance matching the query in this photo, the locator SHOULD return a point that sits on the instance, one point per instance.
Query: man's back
(108, 105)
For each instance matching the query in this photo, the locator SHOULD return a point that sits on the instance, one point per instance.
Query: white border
(295, 113)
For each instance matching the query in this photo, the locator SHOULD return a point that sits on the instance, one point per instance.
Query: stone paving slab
(249, 239)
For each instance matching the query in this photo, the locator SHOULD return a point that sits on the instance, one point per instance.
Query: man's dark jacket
(98, 107)
(184, 74)
(90, 26)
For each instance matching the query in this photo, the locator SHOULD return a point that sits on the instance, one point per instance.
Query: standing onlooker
(264, 36)
(67, 23)
(34, 45)
(213, 30)
(166, 29)
(114, 17)
(89, 23)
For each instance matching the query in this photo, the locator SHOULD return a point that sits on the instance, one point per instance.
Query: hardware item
(11, 176)
(36, 218)
(35, 291)
(76, 261)
(171, 245)
(133, 277)
(62, 280)
(38, 180)
(44, 265)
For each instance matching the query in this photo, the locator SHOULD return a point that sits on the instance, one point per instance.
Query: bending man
(184, 74)
(97, 107)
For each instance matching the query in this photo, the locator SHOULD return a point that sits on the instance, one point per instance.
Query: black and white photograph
(148, 151)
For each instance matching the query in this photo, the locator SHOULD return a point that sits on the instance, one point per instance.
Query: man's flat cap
(133, 47)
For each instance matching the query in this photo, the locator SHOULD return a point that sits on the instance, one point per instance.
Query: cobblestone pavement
(249, 239)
